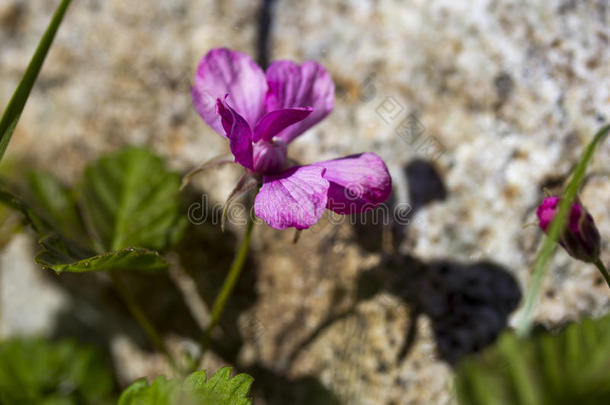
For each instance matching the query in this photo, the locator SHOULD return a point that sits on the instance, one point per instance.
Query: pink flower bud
(580, 238)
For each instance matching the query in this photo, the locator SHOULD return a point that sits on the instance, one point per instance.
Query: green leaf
(34, 371)
(37, 222)
(129, 199)
(162, 391)
(9, 222)
(61, 253)
(56, 203)
(220, 389)
(125, 259)
(124, 209)
(13, 111)
(570, 367)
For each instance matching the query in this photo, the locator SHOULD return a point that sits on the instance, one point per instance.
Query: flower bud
(580, 238)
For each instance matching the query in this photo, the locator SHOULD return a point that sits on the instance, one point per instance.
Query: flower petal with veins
(276, 121)
(358, 183)
(223, 71)
(291, 85)
(239, 134)
(295, 198)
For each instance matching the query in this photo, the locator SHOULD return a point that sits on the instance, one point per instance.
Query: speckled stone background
(476, 106)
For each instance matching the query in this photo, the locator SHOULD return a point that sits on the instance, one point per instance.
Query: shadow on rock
(277, 389)
(380, 229)
(468, 304)
(391, 219)
(425, 184)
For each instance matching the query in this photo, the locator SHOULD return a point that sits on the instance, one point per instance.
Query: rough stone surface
(499, 96)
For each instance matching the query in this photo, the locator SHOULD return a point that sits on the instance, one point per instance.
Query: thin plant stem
(602, 269)
(140, 317)
(228, 286)
(13, 111)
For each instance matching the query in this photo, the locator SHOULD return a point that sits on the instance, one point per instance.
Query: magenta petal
(576, 217)
(358, 183)
(276, 121)
(580, 238)
(546, 211)
(239, 134)
(296, 197)
(291, 85)
(223, 71)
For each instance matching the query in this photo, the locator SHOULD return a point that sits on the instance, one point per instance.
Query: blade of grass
(15, 106)
(550, 242)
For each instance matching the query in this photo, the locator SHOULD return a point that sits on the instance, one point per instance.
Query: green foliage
(130, 199)
(161, 392)
(10, 223)
(125, 208)
(124, 259)
(36, 372)
(56, 204)
(571, 367)
(196, 389)
(13, 111)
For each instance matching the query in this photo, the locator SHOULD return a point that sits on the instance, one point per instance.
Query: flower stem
(15, 106)
(228, 286)
(140, 317)
(603, 270)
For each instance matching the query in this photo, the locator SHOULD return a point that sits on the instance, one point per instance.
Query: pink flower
(261, 113)
(580, 238)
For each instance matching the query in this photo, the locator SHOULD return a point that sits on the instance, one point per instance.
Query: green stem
(140, 317)
(603, 270)
(550, 242)
(13, 111)
(228, 286)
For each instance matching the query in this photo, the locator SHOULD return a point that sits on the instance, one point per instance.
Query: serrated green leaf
(570, 367)
(223, 389)
(33, 371)
(125, 259)
(56, 203)
(38, 223)
(220, 389)
(130, 199)
(64, 254)
(196, 381)
(130, 394)
(13, 111)
(160, 392)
